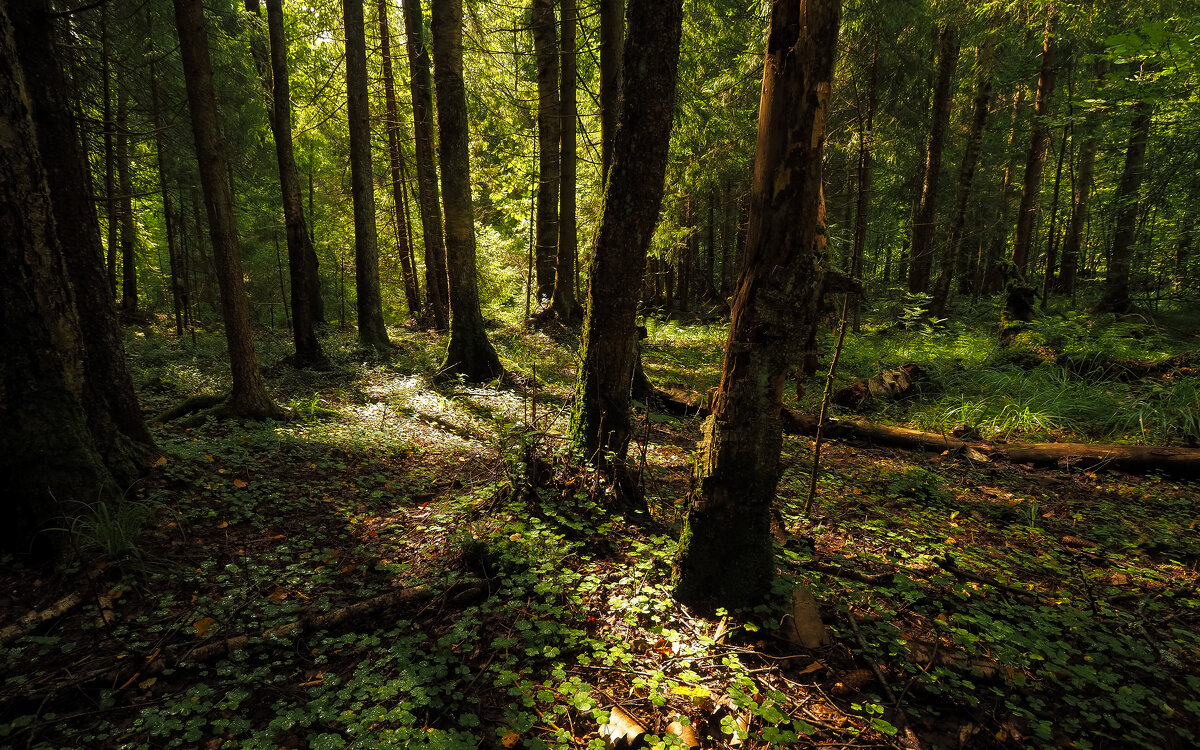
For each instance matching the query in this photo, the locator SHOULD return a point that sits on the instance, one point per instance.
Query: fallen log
(888, 385)
(1135, 459)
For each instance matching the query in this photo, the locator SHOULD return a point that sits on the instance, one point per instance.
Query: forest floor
(365, 574)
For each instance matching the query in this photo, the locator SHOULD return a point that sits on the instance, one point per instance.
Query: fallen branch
(1130, 458)
(37, 617)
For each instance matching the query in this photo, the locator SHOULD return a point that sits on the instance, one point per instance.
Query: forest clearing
(610, 374)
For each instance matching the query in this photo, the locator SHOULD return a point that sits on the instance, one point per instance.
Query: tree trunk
(726, 556)
(966, 174)
(1079, 207)
(925, 223)
(372, 331)
(469, 353)
(866, 135)
(1052, 233)
(612, 46)
(1116, 284)
(600, 425)
(110, 185)
(411, 294)
(249, 396)
(550, 126)
(301, 270)
(687, 262)
(72, 425)
(168, 203)
(436, 293)
(129, 300)
(566, 305)
(992, 279)
(1035, 158)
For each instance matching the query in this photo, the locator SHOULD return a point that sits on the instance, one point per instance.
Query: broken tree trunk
(888, 385)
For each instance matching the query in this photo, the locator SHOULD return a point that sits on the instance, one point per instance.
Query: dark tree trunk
(1052, 234)
(129, 300)
(612, 46)
(110, 185)
(1116, 284)
(411, 294)
(249, 396)
(992, 279)
(566, 304)
(600, 423)
(709, 291)
(924, 227)
(72, 426)
(1079, 207)
(301, 269)
(436, 293)
(866, 125)
(687, 262)
(469, 353)
(550, 125)
(168, 203)
(372, 331)
(1035, 158)
(966, 175)
(726, 555)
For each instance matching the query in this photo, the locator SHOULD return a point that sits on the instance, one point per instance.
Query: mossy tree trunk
(469, 353)
(600, 425)
(925, 222)
(249, 397)
(612, 50)
(71, 427)
(726, 555)
(428, 194)
(372, 331)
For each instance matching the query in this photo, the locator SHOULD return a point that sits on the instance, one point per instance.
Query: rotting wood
(37, 617)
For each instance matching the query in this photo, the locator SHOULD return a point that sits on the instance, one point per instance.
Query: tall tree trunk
(866, 135)
(72, 426)
(469, 353)
(1116, 284)
(992, 278)
(966, 175)
(550, 125)
(686, 262)
(1052, 234)
(372, 331)
(436, 293)
(249, 396)
(566, 305)
(168, 203)
(110, 185)
(612, 47)
(600, 425)
(302, 270)
(411, 294)
(726, 555)
(1035, 158)
(710, 259)
(1079, 207)
(925, 223)
(129, 300)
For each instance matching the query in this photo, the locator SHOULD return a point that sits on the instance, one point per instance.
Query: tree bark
(991, 278)
(248, 397)
(924, 232)
(966, 174)
(1052, 233)
(550, 125)
(1079, 207)
(1035, 158)
(302, 270)
(866, 135)
(110, 185)
(726, 555)
(566, 304)
(129, 300)
(372, 331)
(600, 425)
(612, 47)
(72, 427)
(436, 293)
(1116, 284)
(469, 353)
(168, 203)
(411, 294)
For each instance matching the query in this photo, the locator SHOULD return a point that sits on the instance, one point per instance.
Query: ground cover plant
(410, 563)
